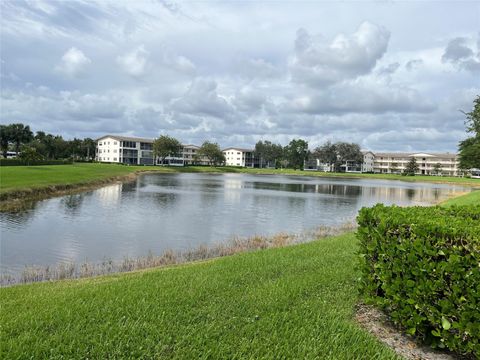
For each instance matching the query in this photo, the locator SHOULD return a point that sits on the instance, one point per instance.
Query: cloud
(258, 68)
(134, 62)
(361, 96)
(459, 53)
(73, 63)
(202, 98)
(178, 62)
(413, 64)
(389, 69)
(318, 62)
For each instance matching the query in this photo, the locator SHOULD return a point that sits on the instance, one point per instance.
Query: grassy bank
(297, 302)
(472, 198)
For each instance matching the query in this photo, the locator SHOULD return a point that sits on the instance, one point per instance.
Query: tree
(212, 152)
(268, 153)
(469, 148)
(5, 139)
(29, 154)
(296, 153)
(166, 146)
(348, 152)
(338, 154)
(411, 168)
(394, 167)
(20, 134)
(437, 168)
(327, 153)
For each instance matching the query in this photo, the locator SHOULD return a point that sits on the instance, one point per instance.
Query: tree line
(42, 146)
(268, 154)
(166, 146)
(296, 154)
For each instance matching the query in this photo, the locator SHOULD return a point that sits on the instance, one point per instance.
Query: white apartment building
(124, 150)
(368, 162)
(395, 163)
(139, 151)
(240, 157)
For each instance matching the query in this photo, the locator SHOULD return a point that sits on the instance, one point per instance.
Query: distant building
(428, 163)
(240, 157)
(395, 163)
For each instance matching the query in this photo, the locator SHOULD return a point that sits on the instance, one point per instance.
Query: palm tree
(20, 134)
(5, 138)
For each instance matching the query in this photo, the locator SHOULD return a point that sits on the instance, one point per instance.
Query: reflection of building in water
(405, 195)
(109, 195)
(232, 188)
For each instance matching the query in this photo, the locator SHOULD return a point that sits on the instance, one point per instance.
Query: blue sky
(388, 75)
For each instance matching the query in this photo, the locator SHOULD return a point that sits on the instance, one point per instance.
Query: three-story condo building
(139, 151)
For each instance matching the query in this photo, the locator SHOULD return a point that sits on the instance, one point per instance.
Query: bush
(422, 266)
(20, 162)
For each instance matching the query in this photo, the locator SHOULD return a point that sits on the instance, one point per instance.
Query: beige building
(428, 163)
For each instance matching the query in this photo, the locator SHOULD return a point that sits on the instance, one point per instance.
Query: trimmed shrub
(422, 266)
(20, 162)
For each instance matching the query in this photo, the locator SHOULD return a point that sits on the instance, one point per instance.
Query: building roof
(239, 149)
(125, 138)
(415, 154)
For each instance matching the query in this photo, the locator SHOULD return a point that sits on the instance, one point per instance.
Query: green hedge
(19, 162)
(422, 265)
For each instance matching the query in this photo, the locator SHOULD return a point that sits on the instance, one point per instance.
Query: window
(114, 159)
(114, 150)
(114, 143)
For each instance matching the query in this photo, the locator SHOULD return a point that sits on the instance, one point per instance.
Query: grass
(472, 198)
(15, 178)
(292, 302)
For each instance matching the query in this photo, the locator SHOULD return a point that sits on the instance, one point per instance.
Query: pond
(157, 212)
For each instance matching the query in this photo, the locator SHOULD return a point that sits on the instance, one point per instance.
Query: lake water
(180, 211)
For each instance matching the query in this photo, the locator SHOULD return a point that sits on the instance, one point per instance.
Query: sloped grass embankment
(292, 302)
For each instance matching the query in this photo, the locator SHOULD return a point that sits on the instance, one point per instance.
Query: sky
(388, 75)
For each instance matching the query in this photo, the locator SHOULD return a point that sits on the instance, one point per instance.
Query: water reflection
(179, 211)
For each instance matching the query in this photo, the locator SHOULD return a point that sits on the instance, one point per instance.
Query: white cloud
(318, 62)
(135, 62)
(202, 99)
(73, 63)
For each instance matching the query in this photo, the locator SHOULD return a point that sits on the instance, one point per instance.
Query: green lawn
(13, 178)
(295, 302)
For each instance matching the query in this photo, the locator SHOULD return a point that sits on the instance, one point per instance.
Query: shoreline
(168, 258)
(20, 199)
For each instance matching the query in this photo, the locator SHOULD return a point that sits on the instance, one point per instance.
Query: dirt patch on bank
(378, 324)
